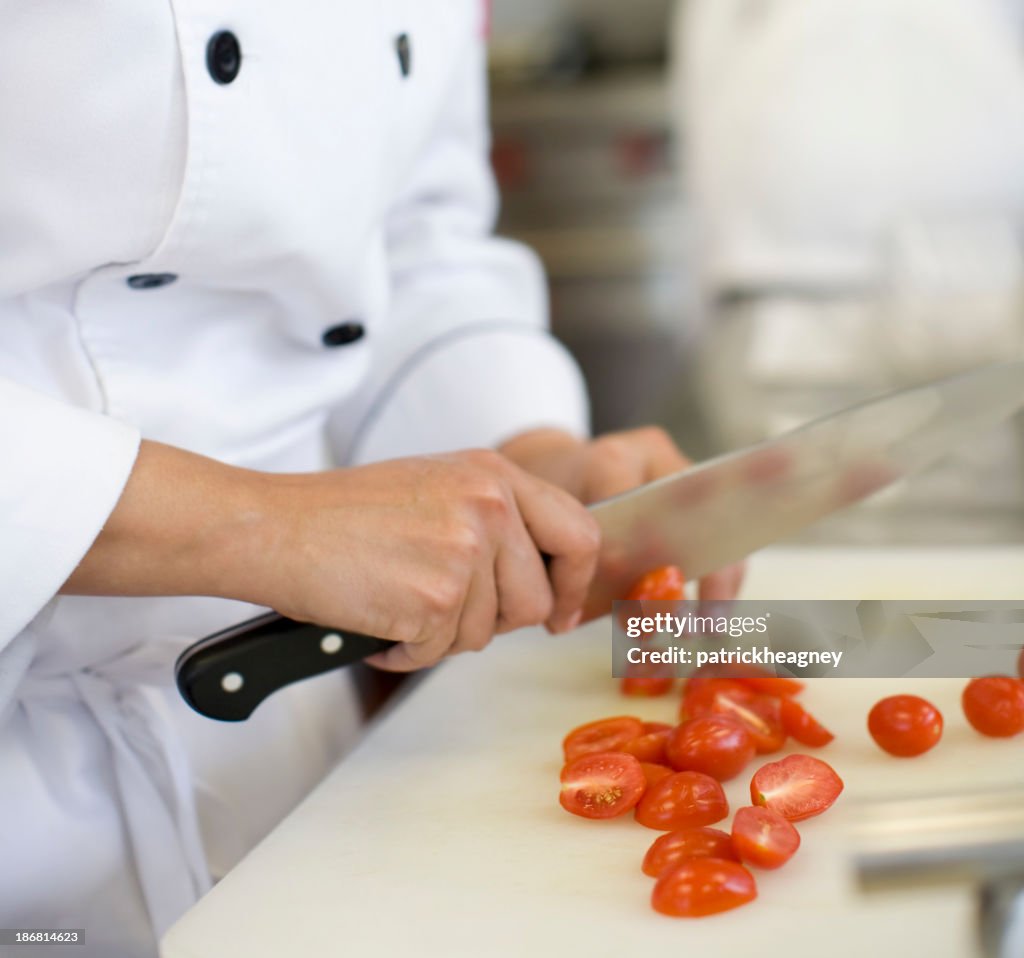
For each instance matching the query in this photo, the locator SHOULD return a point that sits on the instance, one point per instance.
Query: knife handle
(227, 675)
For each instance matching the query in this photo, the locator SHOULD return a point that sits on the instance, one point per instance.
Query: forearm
(184, 525)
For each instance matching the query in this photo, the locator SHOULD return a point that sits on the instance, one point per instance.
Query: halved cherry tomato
(797, 787)
(764, 838)
(772, 685)
(905, 725)
(759, 714)
(640, 686)
(713, 744)
(994, 705)
(654, 772)
(682, 800)
(602, 785)
(702, 886)
(671, 848)
(649, 747)
(664, 584)
(801, 725)
(657, 727)
(604, 735)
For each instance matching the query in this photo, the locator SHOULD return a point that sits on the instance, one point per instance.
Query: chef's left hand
(615, 462)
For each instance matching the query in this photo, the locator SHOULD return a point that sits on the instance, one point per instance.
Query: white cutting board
(441, 835)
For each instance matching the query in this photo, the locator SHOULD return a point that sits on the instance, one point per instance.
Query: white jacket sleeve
(465, 359)
(63, 471)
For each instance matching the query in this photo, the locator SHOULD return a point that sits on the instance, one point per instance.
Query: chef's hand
(438, 553)
(603, 467)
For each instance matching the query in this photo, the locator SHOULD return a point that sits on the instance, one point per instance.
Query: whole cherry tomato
(682, 800)
(604, 735)
(994, 705)
(905, 725)
(797, 787)
(602, 785)
(664, 584)
(673, 847)
(764, 838)
(702, 886)
(798, 723)
(713, 744)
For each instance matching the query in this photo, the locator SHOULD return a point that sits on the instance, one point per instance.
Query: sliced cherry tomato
(798, 723)
(764, 838)
(682, 800)
(713, 744)
(649, 747)
(602, 785)
(664, 584)
(657, 727)
(703, 886)
(759, 714)
(797, 787)
(654, 772)
(994, 705)
(671, 848)
(639, 686)
(905, 725)
(604, 735)
(772, 685)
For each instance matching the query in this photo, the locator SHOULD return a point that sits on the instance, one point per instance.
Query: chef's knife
(700, 519)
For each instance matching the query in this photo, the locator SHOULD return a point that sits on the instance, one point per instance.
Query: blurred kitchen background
(755, 212)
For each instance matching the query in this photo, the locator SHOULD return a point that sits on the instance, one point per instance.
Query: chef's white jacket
(260, 232)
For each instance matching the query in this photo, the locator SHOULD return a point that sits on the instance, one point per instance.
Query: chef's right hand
(437, 553)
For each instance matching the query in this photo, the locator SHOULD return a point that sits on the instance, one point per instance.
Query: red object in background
(664, 584)
(703, 886)
(672, 848)
(905, 725)
(797, 787)
(602, 785)
(801, 725)
(994, 705)
(763, 838)
(604, 735)
(485, 19)
(641, 153)
(510, 160)
(682, 800)
(712, 744)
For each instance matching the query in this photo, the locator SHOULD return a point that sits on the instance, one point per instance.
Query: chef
(257, 347)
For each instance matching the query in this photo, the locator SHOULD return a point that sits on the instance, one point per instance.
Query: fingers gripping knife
(700, 519)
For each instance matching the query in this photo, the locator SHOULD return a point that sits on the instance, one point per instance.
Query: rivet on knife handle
(227, 675)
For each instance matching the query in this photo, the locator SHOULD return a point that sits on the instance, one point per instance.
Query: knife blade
(700, 519)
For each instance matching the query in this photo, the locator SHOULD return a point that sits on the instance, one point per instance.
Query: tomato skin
(712, 744)
(759, 714)
(702, 886)
(664, 584)
(654, 772)
(639, 686)
(657, 727)
(672, 848)
(763, 838)
(699, 695)
(649, 747)
(994, 705)
(604, 735)
(797, 787)
(682, 800)
(601, 785)
(798, 723)
(905, 725)
(773, 685)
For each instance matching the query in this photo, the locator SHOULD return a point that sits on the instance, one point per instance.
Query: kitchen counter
(442, 835)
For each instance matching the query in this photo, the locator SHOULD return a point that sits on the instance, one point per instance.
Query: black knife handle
(226, 675)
